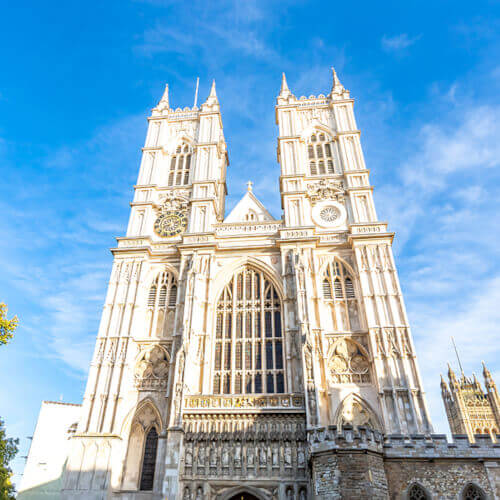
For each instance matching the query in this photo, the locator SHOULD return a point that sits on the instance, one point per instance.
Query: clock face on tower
(171, 223)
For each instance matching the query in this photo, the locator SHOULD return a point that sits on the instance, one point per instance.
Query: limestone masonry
(246, 357)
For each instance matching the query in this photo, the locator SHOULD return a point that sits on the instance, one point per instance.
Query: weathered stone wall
(363, 464)
(325, 476)
(442, 479)
(349, 475)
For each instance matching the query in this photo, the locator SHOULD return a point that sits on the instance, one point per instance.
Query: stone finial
(249, 186)
(164, 102)
(212, 90)
(284, 91)
(212, 97)
(488, 379)
(337, 88)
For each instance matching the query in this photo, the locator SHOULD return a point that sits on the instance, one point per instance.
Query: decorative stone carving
(355, 412)
(174, 200)
(151, 369)
(348, 363)
(325, 189)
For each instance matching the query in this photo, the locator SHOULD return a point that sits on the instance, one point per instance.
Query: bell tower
(182, 178)
(360, 365)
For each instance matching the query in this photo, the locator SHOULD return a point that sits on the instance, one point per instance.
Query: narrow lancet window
(180, 165)
(321, 155)
(149, 460)
(340, 296)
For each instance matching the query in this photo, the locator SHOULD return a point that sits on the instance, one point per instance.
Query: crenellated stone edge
(426, 446)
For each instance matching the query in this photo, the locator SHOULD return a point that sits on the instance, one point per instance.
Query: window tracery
(321, 154)
(340, 296)
(417, 492)
(248, 352)
(162, 299)
(180, 165)
(348, 363)
(473, 492)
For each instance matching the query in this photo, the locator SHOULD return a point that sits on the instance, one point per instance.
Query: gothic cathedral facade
(234, 350)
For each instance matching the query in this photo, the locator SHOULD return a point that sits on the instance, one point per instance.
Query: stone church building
(243, 357)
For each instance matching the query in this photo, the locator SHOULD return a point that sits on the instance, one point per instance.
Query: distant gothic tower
(225, 341)
(470, 410)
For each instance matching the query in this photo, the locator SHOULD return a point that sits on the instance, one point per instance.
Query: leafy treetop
(7, 326)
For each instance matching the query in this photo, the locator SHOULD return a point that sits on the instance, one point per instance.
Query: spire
(476, 383)
(284, 86)
(337, 87)
(488, 379)
(164, 103)
(444, 387)
(212, 90)
(212, 97)
(451, 374)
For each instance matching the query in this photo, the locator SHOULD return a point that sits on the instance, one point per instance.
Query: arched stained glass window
(321, 155)
(338, 292)
(149, 460)
(180, 165)
(248, 351)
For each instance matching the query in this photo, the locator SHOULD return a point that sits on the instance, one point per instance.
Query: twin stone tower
(247, 357)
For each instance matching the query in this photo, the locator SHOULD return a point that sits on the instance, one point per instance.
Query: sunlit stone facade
(243, 356)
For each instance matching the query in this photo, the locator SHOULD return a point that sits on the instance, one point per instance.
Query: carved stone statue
(189, 456)
(288, 455)
(213, 455)
(201, 455)
(250, 457)
(301, 459)
(262, 456)
(225, 456)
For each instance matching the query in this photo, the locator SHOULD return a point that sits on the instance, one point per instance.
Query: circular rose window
(329, 213)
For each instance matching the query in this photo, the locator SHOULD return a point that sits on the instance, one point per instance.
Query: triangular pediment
(249, 209)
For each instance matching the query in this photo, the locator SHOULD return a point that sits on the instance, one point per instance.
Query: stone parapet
(428, 446)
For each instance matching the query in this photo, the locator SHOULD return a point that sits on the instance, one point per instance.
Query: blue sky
(79, 78)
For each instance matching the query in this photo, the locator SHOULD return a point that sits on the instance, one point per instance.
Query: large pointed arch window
(180, 165)
(340, 296)
(162, 299)
(321, 154)
(248, 356)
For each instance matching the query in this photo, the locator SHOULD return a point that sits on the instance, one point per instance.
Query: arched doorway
(244, 496)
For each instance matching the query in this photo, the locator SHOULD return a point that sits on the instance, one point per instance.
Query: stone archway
(244, 493)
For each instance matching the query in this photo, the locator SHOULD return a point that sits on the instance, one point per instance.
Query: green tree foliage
(8, 450)
(7, 326)
(8, 446)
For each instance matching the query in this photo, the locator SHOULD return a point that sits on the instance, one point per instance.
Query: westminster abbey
(241, 356)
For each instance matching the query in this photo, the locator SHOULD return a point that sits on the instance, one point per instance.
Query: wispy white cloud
(59, 232)
(442, 201)
(399, 42)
